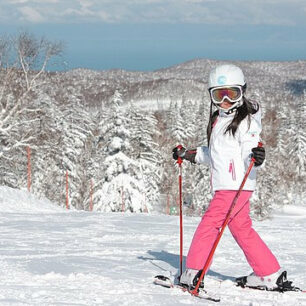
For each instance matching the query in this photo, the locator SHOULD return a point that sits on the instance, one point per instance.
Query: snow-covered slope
(55, 257)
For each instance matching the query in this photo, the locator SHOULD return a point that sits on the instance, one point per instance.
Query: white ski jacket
(229, 156)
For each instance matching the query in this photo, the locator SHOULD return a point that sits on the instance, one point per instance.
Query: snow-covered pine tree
(90, 164)
(146, 151)
(77, 128)
(276, 161)
(121, 186)
(265, 196)
(297, 147)
(188, 114)
(177, 128)
(262, 197)
(61, 146)
(47, 172)
(282, 125)
(200, 182)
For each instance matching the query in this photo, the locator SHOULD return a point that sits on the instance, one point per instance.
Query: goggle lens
(233, 93)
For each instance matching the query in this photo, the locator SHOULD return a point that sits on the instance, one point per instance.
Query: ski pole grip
(179, 159)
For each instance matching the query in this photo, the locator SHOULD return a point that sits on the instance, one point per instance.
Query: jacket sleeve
(202, 156)
(249, 137)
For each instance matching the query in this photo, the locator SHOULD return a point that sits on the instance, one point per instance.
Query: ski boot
(273, 282)
(189, 279)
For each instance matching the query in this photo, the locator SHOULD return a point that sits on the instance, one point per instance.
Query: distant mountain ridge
(187, 79)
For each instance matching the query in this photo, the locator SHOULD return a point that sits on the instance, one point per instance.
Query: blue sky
(151, 34)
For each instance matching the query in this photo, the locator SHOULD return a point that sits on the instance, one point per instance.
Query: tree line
(118, 129)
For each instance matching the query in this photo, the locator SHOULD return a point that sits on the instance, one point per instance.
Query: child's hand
(259, 155)
(183, 153)
(178, 151)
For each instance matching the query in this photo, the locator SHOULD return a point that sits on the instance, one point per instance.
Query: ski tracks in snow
(82, 258)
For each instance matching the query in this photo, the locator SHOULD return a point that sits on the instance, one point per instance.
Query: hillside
(187, 80)
(106, 128)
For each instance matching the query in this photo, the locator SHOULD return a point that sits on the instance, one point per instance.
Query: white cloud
(86, 3)
(30, 14)
(18, 1)
(278, 12)
(32, 1)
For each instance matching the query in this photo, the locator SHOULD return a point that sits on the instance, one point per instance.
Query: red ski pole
(213, 249)
(179, 162)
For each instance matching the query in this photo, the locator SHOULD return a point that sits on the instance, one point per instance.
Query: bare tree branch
(23, 60)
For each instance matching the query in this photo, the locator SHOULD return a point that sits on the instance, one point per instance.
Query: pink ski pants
(256, 251)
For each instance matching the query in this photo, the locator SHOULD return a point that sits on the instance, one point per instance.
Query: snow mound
(15, 200)
(294, 210)
(291, 210)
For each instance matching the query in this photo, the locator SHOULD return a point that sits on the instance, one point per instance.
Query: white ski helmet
(226, 75)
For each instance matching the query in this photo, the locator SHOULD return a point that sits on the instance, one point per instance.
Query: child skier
(233, 135)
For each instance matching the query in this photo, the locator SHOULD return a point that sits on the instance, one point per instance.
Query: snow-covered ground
(50, 256)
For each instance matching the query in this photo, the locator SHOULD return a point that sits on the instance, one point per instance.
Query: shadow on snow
(157, 258)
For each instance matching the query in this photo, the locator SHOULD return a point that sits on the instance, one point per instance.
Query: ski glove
(259, 155)
(184, 154)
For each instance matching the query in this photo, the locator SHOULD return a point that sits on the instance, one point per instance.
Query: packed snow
(51, 256)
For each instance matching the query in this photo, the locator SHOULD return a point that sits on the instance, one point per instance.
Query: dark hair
(247, 109)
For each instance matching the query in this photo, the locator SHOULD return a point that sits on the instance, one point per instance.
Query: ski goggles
(231, 93)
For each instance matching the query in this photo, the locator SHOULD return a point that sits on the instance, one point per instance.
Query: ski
(166, 282)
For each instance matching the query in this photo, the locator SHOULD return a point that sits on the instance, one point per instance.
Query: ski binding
(165, 281)
(283, 285)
